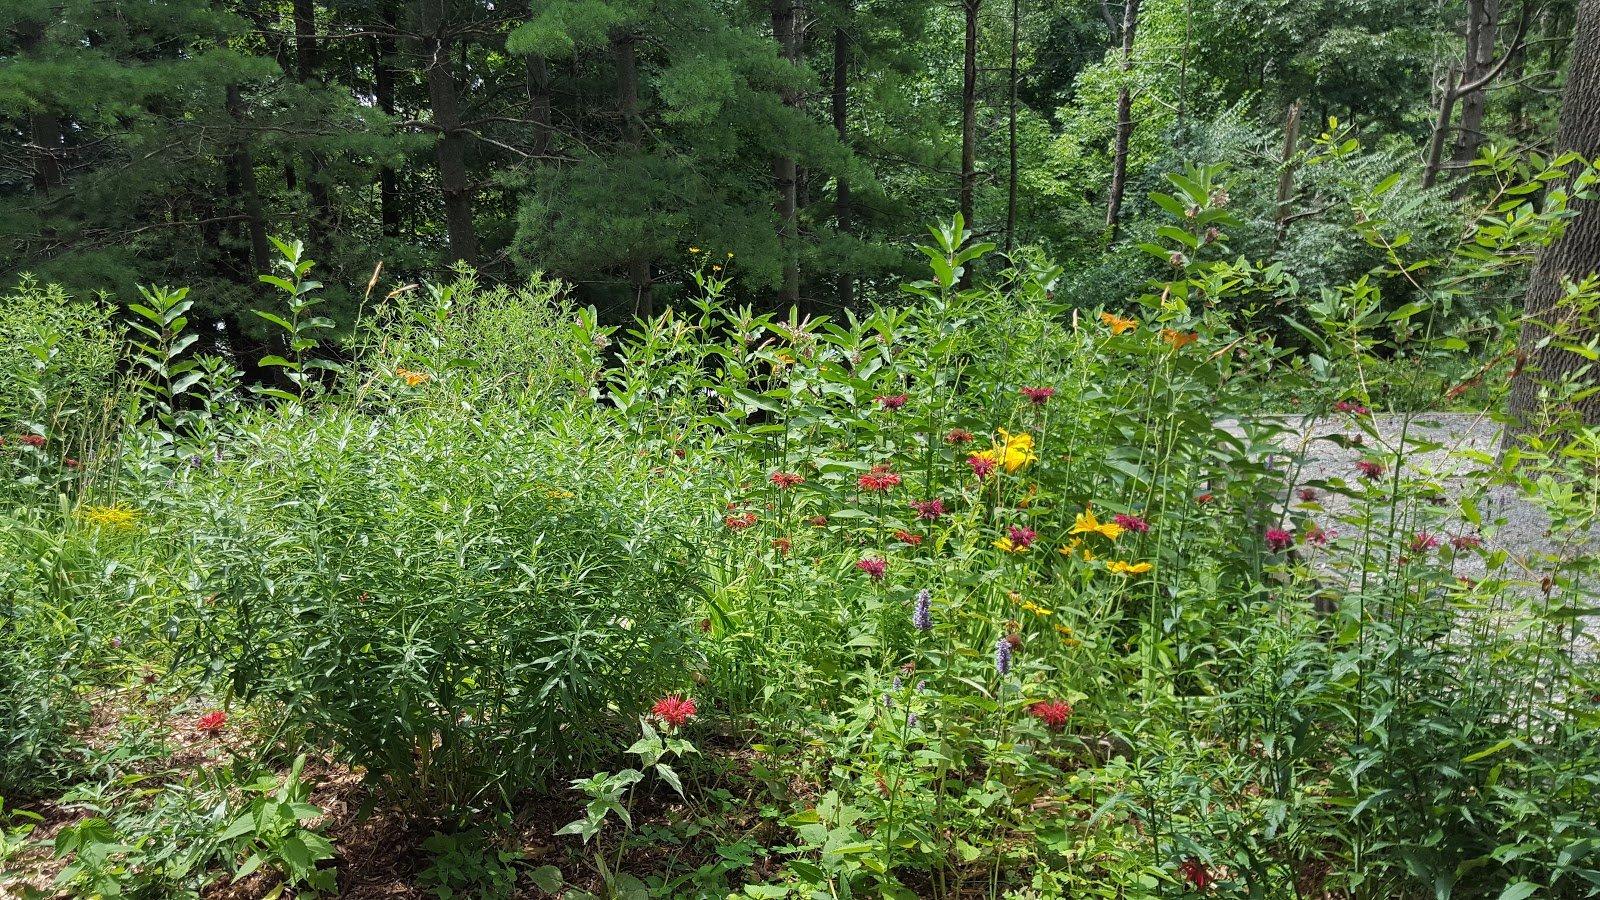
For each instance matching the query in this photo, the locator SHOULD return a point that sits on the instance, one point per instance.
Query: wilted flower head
(958, 436)
(782, 545)
(892, 401)
(928, 509)
(1279, 539)
(674, 710)
(739, 522)
(908, 537)
(1351, 407)
(1466, 542)
(1195, 872)
(1205, 498)
(922, 611)
(1177, 340)
(873, 566)
(1308, 495)
(818, 521)
(1038, 396)
(1052, 713)
(33, 440)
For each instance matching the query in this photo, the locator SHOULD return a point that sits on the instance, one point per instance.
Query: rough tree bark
(1291, 140)
(451, 150)
(45, 140)
(1484, 15)
(1011, 132)
(622, 45)
(1119, 153)
(969, 123)
(787, 35)
(308, 63)
(383, 80)
(1576, 254)
(844, 289)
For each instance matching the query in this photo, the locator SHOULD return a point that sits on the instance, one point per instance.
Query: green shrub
(459, 601)
(58, 359)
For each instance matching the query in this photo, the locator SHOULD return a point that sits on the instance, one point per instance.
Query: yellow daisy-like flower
(1067, 637)
(694, 249)
(412, 379)
(1086, 523)
(1010, 546)
(1036, 609)
(1013, 451)
(1118, 324)
(115, 516)
(1118, 567)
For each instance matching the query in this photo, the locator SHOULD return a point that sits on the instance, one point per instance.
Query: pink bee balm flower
(1278, 539)
(1052, 713)
(1421, 542)
(1466, 542)
(1308, 494)
(1196, 873)
(928, 509)
(1038, 396)
(1369, 469)
(892, 401)
(1131, 523)
(873, 566)
(212, 722)
(673, 710)
(981, 465)
(879, 479)
(1351, 407)
(786, 480)
(1022, 538)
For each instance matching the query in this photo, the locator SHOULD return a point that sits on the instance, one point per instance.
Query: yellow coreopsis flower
(1118, 567)
(1118, 324)
(1086, 523)
(1036, 609)
(1010, 546)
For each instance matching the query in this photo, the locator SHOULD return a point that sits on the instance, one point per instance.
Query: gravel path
(1442, 446)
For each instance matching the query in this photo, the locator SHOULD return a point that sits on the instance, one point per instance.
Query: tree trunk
(633, 134)
(1011, 133)
(1291, 141)
(539, 103)
(46, 145)
(783, 168)
(969, 124)
(845, 287)
(307, 61)
(1576, 253)
(451, 150)
(383, 76)
(1119, 154)
(244, 176)
(1483, 15)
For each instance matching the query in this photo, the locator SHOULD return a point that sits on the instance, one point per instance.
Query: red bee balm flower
(782, 545)
(1052, 713)
(873, 567)
(892, 401)
(32, 440)
(1279, 539)
(1022, 538)
(673, 710)
(928, 509)
(1038, 396)
(981, 465)
(908, 537)
(1195, 872)
(739, 522)
(1422, 542)
(1351, 407)
(1207, 497)
(1131, 523)
(212, 722)
(1370, 470)
(786, 480)
(879, 479)
(958, 436)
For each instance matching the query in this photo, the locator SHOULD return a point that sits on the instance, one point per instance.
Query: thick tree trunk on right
(45, 143)
(451, 150)
(1574, 255)
(969, 123)
(1119, 153)
(308, 62)
(383, 78)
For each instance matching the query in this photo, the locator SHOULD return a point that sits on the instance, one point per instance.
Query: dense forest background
(618, 144)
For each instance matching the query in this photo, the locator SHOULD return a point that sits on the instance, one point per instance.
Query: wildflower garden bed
(977, 596)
